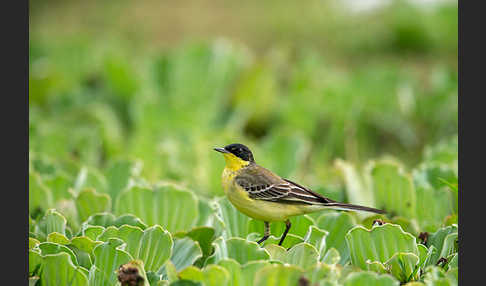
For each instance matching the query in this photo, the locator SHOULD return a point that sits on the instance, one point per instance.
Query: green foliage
(174, 208)
(393, 189)
(370, 278)
(108, 257)
(52, 221)
(276, 274)
(59, 270)
(337, 225)
(185, 253)
(302, 254)
(444, 242)
(89, 202)
(121, 170)
(221, 247)
(385, 248)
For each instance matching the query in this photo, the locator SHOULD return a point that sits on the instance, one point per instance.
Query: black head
(239, 150)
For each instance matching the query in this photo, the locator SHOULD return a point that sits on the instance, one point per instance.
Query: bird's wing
(263, 185)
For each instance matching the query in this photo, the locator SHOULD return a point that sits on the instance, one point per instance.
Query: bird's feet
(263, 239)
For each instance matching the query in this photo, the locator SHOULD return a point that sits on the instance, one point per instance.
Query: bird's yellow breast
(257, 209)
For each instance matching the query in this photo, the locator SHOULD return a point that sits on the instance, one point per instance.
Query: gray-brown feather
(262, 184)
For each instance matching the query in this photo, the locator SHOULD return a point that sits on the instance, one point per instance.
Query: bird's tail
(343, 206)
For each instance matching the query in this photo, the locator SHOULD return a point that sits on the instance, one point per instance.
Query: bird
(262, 195)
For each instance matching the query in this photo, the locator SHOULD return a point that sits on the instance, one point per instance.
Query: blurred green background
(302, 83)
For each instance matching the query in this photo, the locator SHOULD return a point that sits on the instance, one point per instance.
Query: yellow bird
(260, 194)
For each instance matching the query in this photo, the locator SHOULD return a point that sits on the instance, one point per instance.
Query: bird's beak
(221, 150)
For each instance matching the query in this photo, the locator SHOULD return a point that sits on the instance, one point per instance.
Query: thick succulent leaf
(40, 196)
(35, 262)
(234, 270)
(370, 278)
(155, 248)
(331, 257)
(81, 246)
(119, 174)
(84, 258)
(56, 237)
(300, 226)
(276, 252)
(54, 248)
(211, 275)
(438, 240)
(220, 251)
(243, 251)
(169, 206)
(89, 202)
(58, 269)
(153, 245)
(92, 231)
(89, 178)
(302, 254)
(450, 245)
(337, 224)
(107, 219)
(393, 189)
(242, 275)
(215, 275)
(435, 275)
(96, 277)
(84, 243)
(108, 256)
(317, 238)
(425, 255)
(402, 266)
(129, 234)
(356, 189)
(377, 266)
(153, 277)
(238, 249)
(235, 223)
(204, 235)
(52, 221)
(278, 274)
(378, 244)
(185, 252)
(169, 271)
(249, 270)
(324, 274)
